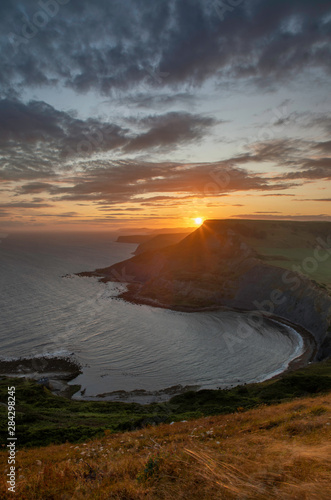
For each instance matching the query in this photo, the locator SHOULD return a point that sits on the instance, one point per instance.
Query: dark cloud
(34, 187)
(132, 181)
(293, 153)
(325, 147)
(153, 200)
(36, 139)
(278, 151)
(278, 194)
(107, 182)
(117, 45)
(35, 123)
(25, 205)
(169, 130)
(304, 119)
(28, 123)
(310, 169)
(64, 215)
(313, 199)
(108, 209)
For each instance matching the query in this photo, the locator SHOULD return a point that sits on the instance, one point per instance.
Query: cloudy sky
(144, 113)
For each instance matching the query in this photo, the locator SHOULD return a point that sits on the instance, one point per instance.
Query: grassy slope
(291, 244)
(43, 418)
(272, 452)
(289, 257)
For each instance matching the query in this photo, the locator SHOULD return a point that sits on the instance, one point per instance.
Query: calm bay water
(122, 346)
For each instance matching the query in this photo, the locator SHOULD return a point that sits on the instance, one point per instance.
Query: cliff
(160, 241)
(264, 266)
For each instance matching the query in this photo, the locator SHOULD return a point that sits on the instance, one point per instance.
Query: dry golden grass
(276, 452)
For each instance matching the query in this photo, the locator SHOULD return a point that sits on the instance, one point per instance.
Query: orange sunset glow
(123, 128)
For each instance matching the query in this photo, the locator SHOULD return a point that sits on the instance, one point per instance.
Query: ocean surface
(123, 347)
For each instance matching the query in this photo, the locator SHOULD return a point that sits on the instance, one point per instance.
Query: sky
(144, 113)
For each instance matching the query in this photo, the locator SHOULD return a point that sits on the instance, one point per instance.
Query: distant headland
(273, 268)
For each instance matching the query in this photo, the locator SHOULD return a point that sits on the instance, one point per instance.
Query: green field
(302, 258)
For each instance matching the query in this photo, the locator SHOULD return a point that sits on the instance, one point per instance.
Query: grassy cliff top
(281, 451)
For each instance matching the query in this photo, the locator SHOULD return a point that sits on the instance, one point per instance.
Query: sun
(198, 221)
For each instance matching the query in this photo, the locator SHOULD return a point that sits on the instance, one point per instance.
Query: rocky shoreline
(310, 347)
(51, 372)
(55, 373)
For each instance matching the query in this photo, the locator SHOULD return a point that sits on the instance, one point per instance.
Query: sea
(128, 352)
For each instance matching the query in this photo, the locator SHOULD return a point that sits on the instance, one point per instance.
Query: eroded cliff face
(220, 265)
(250, 286)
